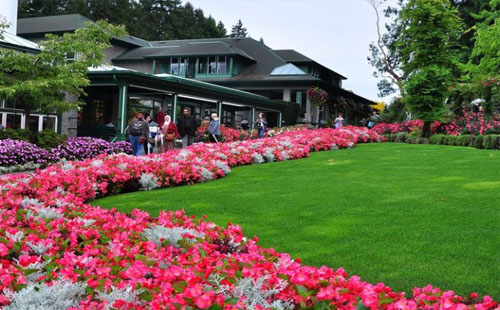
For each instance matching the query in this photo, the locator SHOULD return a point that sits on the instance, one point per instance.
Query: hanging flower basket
(317, 96)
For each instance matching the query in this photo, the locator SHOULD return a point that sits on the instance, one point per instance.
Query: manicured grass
(405, 215)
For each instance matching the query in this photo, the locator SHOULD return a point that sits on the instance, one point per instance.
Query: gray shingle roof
(292, 56)
(182, 48)
(47, 24)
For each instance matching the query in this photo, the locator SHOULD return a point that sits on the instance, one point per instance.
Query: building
(235, 77)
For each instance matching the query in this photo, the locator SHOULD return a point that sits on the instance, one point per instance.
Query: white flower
(148, 182)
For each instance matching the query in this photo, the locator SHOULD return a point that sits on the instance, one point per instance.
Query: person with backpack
(138, 131)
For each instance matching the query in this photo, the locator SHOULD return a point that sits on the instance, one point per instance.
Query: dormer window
(314, 71)
(178, 66)
(213, 65)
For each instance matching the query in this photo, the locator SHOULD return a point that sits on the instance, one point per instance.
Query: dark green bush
(464, 140)
(436, 139)
(412, 140)
(478, 144)
(48, 139)
(400, 137)
(16, 134)
(422, 141)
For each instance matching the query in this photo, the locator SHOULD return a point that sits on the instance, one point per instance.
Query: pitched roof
(159, 49)
(292, 56)
(50, 24)
(17, 43)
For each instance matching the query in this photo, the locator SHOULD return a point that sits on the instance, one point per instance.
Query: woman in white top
(339, 121)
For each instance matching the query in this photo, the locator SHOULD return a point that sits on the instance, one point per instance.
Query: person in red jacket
(160, 117)
(170, 133)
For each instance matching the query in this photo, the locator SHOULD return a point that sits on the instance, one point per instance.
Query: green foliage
(290, 114)
(147, 19)
(17, 134)
(395, 112)
(436, 139)
(238, 31)
(43, 81)
(48, 139)
(478, 144)
(429, 55)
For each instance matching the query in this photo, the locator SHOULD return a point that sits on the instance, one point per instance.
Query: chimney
(8, 10)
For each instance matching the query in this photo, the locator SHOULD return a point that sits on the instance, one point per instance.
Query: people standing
(148, 120)
(214, 128)
(187, 127)
(138, 132)
(160, 117)
(339, 121)
(169, 132)
(261, 125)
(373, 120)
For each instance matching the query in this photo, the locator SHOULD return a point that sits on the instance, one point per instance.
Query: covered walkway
(115, 94)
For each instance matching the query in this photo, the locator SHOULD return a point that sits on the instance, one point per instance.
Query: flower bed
(57, 252)
(470, 123)
(17, 154)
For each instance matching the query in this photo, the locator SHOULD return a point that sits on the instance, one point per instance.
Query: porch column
(122, 109)
(287, 94)
(252, 118)
(280, 118)
(308, 110)
(175, 99)
(219, 109)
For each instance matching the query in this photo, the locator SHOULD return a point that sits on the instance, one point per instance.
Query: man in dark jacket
(187, 128)
(138, 131)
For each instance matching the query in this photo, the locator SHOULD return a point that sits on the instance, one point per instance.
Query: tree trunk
(426, 130)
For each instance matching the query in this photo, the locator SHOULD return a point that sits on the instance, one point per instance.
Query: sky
(335, 33)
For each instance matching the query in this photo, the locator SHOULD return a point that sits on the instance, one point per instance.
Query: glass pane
(182, 66)
(174, 66)
(13, 121)
(221, 66)
(213, 65)
(33, 123)
(202, 65)
(49, 123)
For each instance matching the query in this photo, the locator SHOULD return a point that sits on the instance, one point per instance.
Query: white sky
(335, 33)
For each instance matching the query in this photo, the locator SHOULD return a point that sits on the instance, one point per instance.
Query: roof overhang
(174, 84)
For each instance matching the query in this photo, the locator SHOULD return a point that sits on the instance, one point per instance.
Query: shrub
(16, 134)
(437, 139)
(422, 141)
(49, 139)
(478, 144)
(491, 142)
(400, 137)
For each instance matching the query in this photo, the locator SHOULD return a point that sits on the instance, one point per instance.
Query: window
(213, 65)
(49, 122)
(70, 57)
(178, 66)
(315, 72)
(13, 121)
(212, 60)
(174, 66)
(203, 65)
(33, 122)
(221, 65)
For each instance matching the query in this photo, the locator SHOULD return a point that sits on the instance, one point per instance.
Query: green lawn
(405, 215)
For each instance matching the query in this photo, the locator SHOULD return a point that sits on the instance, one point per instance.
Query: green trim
(154, 66)
(252, 118)
(174, 107)
(219, 109)
(209, 76)
(59, 123)
(230, 66)
(122, 109)
(18, 48)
